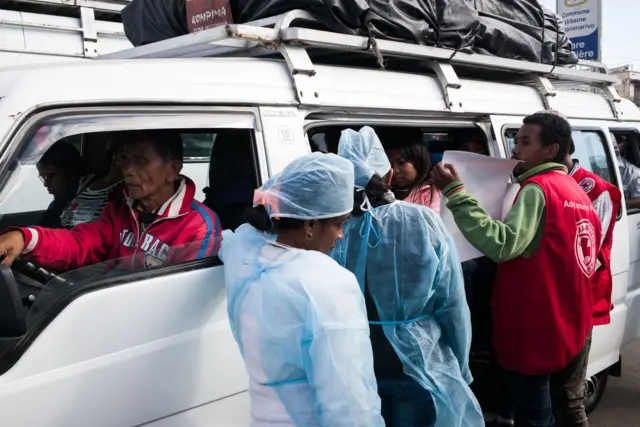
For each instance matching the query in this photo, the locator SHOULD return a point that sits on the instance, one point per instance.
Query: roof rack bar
(89, 32)
(547, 92)
(213, 42)
(302, 72)
(614, 101)
(98, 5)
(449, 83)
(316, 38)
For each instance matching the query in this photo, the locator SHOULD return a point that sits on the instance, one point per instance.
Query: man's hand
(444, 175)
(11, 246)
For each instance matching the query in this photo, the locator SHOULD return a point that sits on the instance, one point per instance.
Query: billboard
(582, 23)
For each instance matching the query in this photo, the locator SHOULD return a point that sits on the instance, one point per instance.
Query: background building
(629, 86)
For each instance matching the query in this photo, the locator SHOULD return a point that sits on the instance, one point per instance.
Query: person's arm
(60, 249)
(204, 243)
(631, 181)
(603, 206)
(339, 359)
(499, 240)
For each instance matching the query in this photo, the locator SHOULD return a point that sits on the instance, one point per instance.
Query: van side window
(590, 152)
(627, 145)
(197, 146)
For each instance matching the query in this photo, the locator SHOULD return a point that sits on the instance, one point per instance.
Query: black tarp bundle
(150, 21)
(519, 29)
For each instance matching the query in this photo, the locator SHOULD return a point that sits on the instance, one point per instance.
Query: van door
(631, 156)
(595, 152)
(109, 345)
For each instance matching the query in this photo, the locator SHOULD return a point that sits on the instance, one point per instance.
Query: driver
(152, 224)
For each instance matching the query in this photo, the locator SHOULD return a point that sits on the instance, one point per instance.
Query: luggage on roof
(516, 29)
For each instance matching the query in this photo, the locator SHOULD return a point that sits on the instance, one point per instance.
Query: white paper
(509, 198)
(486, 178)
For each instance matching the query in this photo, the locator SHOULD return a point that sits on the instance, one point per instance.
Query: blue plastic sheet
(405, 259)
(300, 322)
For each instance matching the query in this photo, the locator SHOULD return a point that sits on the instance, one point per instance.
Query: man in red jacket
(607, 201)
(157, 222)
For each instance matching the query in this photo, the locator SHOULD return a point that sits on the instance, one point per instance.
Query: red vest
(594, 186)
(542, 305)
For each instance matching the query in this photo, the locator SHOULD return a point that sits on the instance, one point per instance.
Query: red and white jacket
(607, 201)
(184, 230)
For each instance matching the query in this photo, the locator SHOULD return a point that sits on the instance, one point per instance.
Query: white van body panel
(170, 348)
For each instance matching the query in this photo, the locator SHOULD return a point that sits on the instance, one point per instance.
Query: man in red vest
(546, 249)
(607, 201)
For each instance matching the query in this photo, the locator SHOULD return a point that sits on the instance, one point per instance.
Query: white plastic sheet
(486, 178)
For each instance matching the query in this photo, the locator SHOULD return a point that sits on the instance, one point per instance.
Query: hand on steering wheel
(11, 246)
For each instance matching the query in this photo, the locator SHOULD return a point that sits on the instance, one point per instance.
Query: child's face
(404, 172)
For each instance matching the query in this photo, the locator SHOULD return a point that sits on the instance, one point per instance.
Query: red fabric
(185, 229)
(594, 186)
(542, 305)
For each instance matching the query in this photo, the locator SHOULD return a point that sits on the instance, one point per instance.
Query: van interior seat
(232, 176)
(96, 153)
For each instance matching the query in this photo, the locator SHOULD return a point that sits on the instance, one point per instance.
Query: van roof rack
(298, 44)
(113, 6)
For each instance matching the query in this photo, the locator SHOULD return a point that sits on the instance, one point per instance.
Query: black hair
(167, 143)
(554, 129)
(258, 218)
(64, 156)
(459, 137)
(376, 191)
(413, 149)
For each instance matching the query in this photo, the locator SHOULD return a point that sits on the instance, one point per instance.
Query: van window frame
(630, 212)
(323, 120)
(23, 134)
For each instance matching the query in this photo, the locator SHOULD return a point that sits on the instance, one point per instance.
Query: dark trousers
(532, 395)
(405, 403)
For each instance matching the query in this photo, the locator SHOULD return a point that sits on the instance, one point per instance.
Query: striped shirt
(87, 206)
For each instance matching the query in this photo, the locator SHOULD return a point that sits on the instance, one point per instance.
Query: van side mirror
(12, 312)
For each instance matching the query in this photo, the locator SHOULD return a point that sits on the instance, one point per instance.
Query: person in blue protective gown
(408, 269)
(298, 317)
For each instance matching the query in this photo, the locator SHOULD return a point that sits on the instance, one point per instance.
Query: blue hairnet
(315, 186)
(300, 322)
(406, 261)
(365, 151)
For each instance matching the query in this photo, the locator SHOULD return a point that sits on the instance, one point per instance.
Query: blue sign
(582, 26)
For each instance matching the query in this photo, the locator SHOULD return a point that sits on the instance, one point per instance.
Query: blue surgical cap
(365, 151)
(315, 186)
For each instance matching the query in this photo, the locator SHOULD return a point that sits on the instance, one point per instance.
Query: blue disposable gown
(300, 322)
(415, 280)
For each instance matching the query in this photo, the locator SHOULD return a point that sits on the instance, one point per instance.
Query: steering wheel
(36, 272)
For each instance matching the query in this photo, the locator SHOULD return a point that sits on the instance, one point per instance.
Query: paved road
(620, 405)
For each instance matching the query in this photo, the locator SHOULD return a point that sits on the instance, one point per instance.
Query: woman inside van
(408, 269)
(297, 316)
(78, 198)
(60, 170)
(411, 163)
